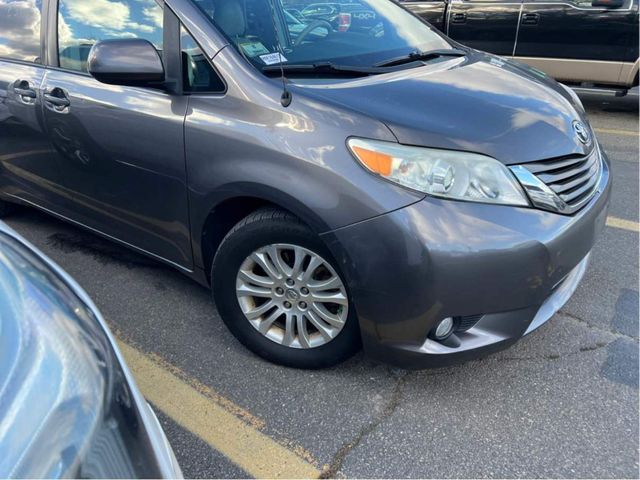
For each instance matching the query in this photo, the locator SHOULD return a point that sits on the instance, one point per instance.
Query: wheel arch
(227, 208)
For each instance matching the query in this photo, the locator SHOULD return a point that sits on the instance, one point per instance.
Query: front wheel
(280, 293)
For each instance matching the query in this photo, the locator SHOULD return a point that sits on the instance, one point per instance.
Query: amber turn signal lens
(374, 161)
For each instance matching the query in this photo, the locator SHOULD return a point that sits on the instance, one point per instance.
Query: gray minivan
(336, 187)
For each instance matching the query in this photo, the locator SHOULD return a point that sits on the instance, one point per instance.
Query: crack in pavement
(558, 356)
(333, 469)
(391, 406)
(592, 326)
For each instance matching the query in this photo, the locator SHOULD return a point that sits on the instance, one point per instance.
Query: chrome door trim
(44, 21)
(51, 35)
(515, 43)
(592, 9)
(451, 4)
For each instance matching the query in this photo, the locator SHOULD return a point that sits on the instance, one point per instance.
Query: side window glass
(198, 74)
(20, 29)
(81, 23)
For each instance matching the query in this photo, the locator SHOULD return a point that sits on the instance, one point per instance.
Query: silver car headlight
(441, 173)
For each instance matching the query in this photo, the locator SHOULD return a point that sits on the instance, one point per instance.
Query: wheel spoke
(300, 255)
(245, 290)
(321, 326)
(265, 324)
(289, 334)
(254, 279)
(274, 254)
(263, 261)
(329, 284)
(326, 315)
(259, 311)
(303, 334)
(314, 263)
(331, 297)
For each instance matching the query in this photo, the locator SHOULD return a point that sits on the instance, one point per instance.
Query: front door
(433, 11)
(119, 166)
(488, 25)
(23, 141)
(573, 40)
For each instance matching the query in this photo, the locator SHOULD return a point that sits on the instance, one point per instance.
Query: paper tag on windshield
(272, 58)
(253, 49)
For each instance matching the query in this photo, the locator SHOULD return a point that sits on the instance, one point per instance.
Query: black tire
(265, 227)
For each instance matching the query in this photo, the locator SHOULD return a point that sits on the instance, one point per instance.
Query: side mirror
(130, 62)
(608, 3)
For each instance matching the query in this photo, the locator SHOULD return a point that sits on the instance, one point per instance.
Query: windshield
(360, 33)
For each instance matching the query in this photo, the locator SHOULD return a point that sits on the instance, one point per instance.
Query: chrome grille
(573, 179)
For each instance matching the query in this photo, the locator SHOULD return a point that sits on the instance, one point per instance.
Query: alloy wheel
(292, 296)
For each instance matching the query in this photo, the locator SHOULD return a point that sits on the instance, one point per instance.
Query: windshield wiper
(323, 68)
(417, 56)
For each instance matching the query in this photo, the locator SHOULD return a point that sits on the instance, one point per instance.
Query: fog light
(444, 328)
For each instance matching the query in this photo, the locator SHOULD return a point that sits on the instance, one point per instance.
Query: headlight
(441, 173)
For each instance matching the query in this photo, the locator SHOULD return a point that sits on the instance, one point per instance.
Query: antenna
(286, 97)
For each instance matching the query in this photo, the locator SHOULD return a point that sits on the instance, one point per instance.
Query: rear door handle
(530, 19)
(25, 92)
(458, 18)
(57, 100)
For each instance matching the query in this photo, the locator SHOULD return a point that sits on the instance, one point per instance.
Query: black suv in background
(345, 15)
(590, 42)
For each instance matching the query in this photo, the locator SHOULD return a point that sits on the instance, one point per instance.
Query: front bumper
(514, 267)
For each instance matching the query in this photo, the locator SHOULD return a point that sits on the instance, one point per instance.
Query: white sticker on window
(272, 58)
(253, 49)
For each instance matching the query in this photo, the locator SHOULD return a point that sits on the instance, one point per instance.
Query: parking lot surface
(563, 402)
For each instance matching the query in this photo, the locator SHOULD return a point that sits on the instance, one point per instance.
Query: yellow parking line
(624, 224)
(613, 131)
(221, 425)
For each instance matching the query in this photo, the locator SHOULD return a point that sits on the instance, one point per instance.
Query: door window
(20, 29)
(81, 23)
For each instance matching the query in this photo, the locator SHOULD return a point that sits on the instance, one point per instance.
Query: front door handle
(24, 91)
(530, 19)
(57, 100)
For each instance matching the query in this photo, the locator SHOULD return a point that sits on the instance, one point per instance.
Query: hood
(480, 104)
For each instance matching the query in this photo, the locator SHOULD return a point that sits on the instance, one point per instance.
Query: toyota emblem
(581, 132)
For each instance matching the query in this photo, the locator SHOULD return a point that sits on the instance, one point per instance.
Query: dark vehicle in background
(69, 407)
(296, 27)
(589, 43)
(297, 14)
(386, 188)
(342, 16)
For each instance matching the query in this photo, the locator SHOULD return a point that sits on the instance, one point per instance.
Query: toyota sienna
(337, 187)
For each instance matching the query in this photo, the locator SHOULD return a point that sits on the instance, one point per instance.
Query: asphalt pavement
(563, 402)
